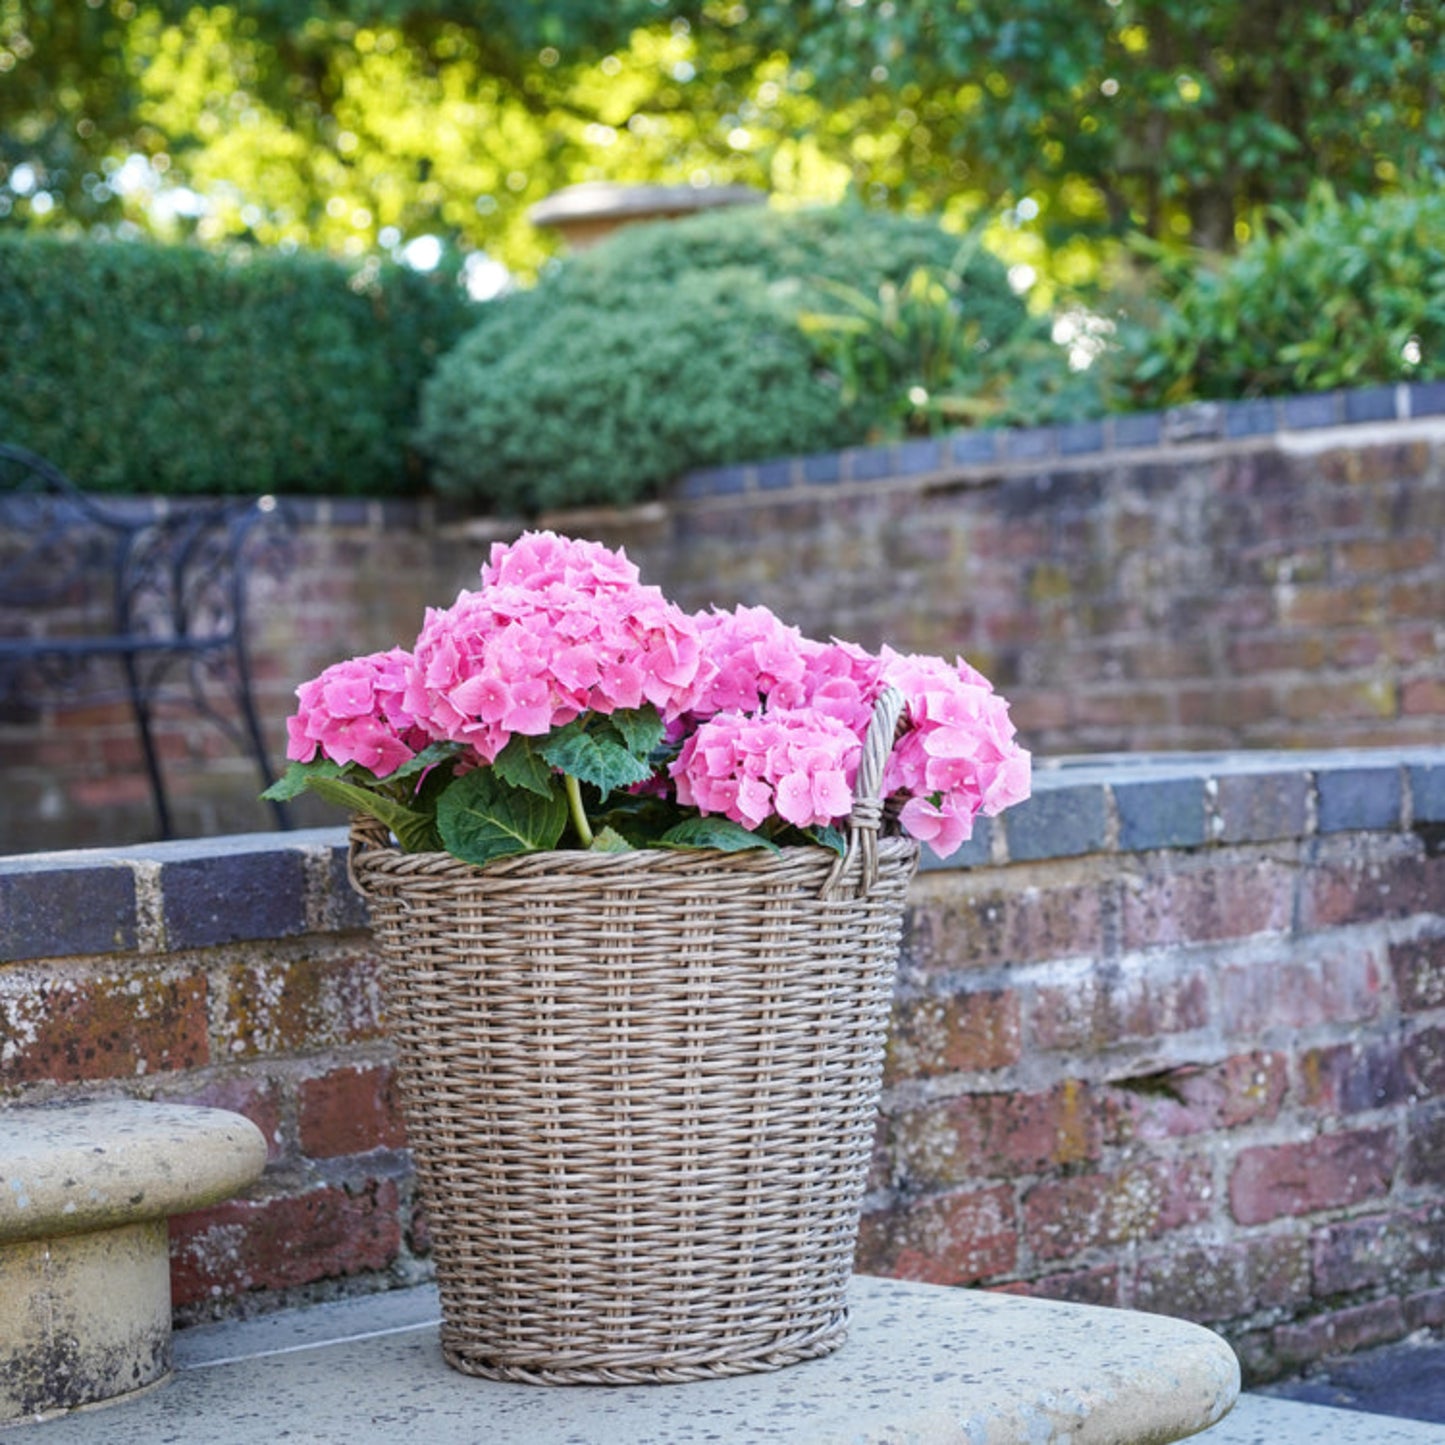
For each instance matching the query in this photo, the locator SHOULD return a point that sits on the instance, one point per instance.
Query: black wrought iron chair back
(158, 588)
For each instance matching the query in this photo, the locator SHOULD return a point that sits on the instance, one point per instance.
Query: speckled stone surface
(75, 1168)
(85, 1293)
(924, 1365)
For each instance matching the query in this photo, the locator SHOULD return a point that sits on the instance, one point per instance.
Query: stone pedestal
(85, 1299)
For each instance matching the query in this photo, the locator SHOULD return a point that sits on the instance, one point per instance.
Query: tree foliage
(357, 125)
(1167, 116)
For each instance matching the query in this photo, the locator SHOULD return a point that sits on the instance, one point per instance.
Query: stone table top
(923, 1364)
(73, 1168)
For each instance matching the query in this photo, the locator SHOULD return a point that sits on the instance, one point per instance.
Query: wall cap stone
(204, 892)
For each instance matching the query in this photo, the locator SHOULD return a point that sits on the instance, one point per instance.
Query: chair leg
(252, 725)
(140, 706)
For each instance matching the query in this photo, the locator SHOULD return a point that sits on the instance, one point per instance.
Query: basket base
(679, 1369)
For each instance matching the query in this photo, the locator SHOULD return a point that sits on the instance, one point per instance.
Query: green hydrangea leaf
(521, 765)
(827, 836)
(297, 779)
(599, 759)
(641, 728)
(414, 831)
(429, 757)
(720, 833)
(481, 817)
(609, 840)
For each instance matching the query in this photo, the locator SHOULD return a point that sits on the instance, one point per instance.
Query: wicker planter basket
(640, 1091)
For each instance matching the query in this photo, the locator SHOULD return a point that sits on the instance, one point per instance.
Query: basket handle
(367, 833)
(866, 817)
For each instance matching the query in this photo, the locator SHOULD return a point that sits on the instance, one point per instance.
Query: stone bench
(85, 1193)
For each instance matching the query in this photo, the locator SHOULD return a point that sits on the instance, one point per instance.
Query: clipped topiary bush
(147, 368)
(1348, 293)
(672, 346)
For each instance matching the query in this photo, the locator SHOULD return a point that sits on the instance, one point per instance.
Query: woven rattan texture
(640, 1091)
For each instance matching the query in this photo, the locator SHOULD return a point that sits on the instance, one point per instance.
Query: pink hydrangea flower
(957, 757)
(558, 628)
(753, 657)
(797, 763)
(354, 712)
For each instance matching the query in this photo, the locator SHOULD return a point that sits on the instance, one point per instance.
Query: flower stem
(579, 815)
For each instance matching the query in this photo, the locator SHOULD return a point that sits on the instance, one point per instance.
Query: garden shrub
(146, 368)
(1347, 293)
(672, 346)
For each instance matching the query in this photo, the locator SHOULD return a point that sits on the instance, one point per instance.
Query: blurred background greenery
(980, 213)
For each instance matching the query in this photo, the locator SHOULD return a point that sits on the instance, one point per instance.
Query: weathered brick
(1418, 967)
(992, 1136)
(960, 1032)
(1425, 1310)
(258, 1097)
(1256, 807)
(1339, 1332)
(1058, 821)
(74, 1024)
(1194, 1098)
(1194, 902)
(1425, 1145)
(286, 1240)
(1119, 1000)
(1301, 989)
(1358, 1254)
(971, 927)
(1064, 1216)
(1364, 797)
(1350, 1078)
(350, 1110)
(1273, 1181)
(1422, 1060)
(1370, 877)
(1160, 813)
(1427, 786)
(260, 893)
(1100, 1285)
(65, 907)
(959, 1238)
(1192, 1283)
(280, 1004)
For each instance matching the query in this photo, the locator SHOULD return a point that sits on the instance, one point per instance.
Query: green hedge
(138, 367)
(1347, 293)
(677, 345)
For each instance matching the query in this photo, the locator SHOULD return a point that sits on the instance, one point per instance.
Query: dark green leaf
(826, 835)
(521, 765)
(429, 757)
(609, 840)
(720, 833)
(400, 819)
(599, 760)
(641, 728)
(481, 817)
(297, 779)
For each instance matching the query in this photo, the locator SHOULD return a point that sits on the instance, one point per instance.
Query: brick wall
(1260, 574)
(1171, 1036)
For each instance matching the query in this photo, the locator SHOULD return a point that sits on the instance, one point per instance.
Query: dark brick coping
(1023, 448)
(1028, 447)
(169, 897)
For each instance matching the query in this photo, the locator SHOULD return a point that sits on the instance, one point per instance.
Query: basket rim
(369, 850)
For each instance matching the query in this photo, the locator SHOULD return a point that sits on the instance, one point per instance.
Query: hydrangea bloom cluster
(761, 723)
(559, 628)
(354, 713)
(957, 757)
(795, 762)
